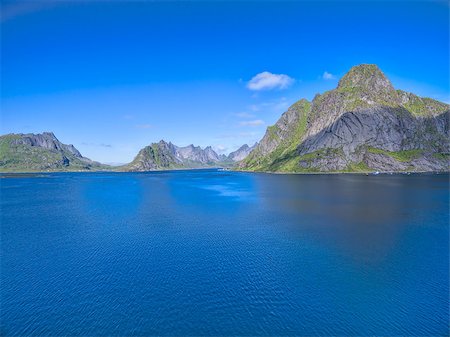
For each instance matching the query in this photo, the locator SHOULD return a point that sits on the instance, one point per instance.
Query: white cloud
(268, 81)
(238, 135)
(255, 122)
(144, 126)
(328, 76)
(254, 107)
(244, 115)
(95, 144)
(276, 105)
(248, 134)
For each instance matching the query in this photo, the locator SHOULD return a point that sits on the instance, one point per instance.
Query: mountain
(41, 152)
(241, 153)
(197, 154)
(44, 152)
(163, 155)
(365, 124)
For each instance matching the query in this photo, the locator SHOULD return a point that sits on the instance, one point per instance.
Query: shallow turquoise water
(224, 253)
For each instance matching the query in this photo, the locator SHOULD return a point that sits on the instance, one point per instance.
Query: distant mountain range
(163, 155)
(44, 152)
(363, 125)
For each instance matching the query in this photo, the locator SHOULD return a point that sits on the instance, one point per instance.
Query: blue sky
(111, 77)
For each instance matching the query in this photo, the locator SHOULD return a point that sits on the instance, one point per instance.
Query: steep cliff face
(41, 152)
(364, 124)
(280, 141)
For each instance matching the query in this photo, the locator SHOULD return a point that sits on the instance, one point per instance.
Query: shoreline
(219, 169)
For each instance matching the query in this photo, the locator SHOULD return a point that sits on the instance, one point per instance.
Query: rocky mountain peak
(241, 153)
(366, 77)
(41, 151)
(302, 103)
(46, 140)
(364, 124)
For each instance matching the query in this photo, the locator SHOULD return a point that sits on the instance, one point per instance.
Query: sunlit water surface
(224, 253)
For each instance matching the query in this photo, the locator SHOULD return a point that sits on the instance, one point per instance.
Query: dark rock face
(355, 134)
(364, 124)
(391, 129)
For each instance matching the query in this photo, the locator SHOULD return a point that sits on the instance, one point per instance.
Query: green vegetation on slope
(442, 156)
(419, 106)
(360, 167)
(15, 156)
(359, 74)
(152, 157)
(284, 158)
(364, 87)
(402, 156)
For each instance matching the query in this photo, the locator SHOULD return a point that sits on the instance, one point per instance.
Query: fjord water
(224, 253)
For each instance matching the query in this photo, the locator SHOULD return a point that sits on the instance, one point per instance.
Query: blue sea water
(224, 253)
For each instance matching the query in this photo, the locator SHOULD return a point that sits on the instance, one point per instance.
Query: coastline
(3, 173)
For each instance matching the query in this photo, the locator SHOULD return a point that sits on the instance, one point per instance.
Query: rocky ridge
(44, 152)
(241, 153)
(364, 124)
(41, 152)
(165, 155)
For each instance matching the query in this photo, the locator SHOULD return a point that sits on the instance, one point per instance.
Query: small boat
(376, 173)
